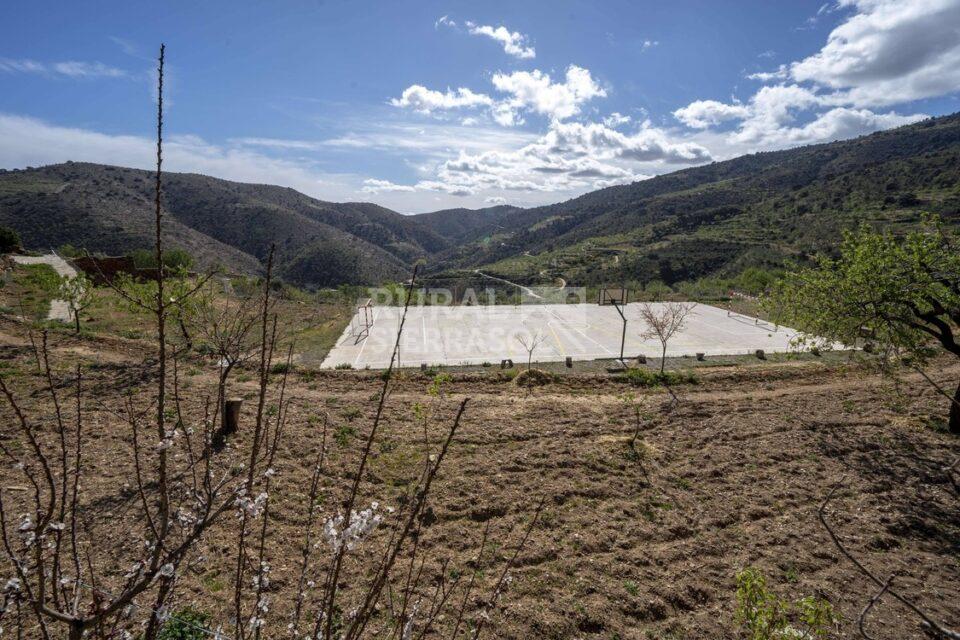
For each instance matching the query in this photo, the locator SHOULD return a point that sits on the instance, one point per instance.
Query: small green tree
(766, 616)
(902, 294)
(77, 291)
(9, 240)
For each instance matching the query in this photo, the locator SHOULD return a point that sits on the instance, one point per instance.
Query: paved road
(59, 309)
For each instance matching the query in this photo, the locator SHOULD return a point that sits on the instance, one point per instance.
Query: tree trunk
(76, 319)
(76, 631)
(955, 413)
(663, 358)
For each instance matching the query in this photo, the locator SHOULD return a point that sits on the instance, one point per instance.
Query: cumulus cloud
(419, 98)
(535, 91)
(69, 69)
(514, 43)
(770, 118)
(524, 91)
(889, 52)
(495, 200)
(705, 113)
(885, 53)
(570, 156)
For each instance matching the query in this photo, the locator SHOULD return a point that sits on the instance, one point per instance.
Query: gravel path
(59, 309)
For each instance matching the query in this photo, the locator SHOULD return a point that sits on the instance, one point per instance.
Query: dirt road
(59, 309)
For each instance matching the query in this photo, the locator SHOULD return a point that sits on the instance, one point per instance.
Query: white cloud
(705, 113)
(32, 142)
(495, 200)
(535, 91)
(424, 100)
(889, 51)
(70, 68)
(445, 21)
(371, 185)
(531, 91)
(514, 43)
(570, 157)
(769, 119)
(782, 73)
(616, 119)
(885, 53)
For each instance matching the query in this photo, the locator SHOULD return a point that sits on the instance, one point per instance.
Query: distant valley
(759, 210)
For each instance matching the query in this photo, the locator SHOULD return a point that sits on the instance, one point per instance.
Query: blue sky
(425, 105)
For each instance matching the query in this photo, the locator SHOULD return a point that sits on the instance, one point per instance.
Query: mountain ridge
(759, 210)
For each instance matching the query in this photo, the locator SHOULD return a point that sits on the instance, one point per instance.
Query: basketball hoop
(617, 297)
(612, 295)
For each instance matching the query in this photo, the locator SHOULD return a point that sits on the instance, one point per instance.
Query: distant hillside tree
(902, 294)
(9, 240)
(172, 259)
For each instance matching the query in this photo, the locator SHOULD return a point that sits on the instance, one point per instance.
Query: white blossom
(362, 524)
(253, 507)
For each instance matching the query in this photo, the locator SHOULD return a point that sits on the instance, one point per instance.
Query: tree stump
(641, 359)
(701, 356)
(231, 414)
(761, 355)
(569, 362)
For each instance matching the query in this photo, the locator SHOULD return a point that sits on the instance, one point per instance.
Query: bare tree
(225, 324)
(66, 572)
(58, 572)
(530, 343)
(663, 322)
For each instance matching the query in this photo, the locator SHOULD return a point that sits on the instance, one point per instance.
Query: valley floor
(627, 546)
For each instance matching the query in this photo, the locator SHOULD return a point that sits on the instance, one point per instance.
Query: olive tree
(900, 293)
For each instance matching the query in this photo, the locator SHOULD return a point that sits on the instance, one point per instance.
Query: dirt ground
(626, 546)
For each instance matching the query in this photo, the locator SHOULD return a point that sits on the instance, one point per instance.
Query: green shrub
(344, 434)
(281, 367)
(640, 377)
(344, 365)
(185, 624)
(767, 616)
(172, 259)
(9, 240)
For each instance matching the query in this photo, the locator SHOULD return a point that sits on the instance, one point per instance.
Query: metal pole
(623, 336)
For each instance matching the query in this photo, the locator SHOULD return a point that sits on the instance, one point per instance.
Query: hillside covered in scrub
(718, 220)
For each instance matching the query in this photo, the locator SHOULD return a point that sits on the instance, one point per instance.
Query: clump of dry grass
(534, 378)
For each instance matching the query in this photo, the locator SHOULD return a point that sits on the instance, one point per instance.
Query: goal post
(362, 320)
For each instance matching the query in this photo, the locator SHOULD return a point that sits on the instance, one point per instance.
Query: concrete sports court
(457, 335)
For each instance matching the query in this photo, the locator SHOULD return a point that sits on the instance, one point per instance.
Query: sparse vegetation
(766, 616)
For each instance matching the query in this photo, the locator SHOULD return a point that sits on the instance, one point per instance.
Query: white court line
(554, 313)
